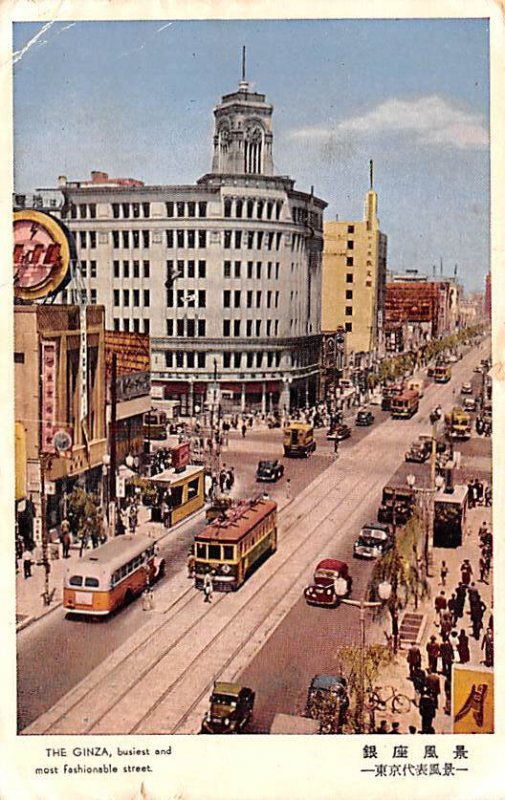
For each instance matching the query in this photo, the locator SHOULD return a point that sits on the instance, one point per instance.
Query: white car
(469, 404)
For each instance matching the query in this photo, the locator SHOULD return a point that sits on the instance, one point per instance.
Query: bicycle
(400, 703)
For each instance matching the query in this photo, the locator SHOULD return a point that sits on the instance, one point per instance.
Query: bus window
(228, 552)
(215, 551)
(75, 580)
(176, 496)
(115, 577)
(192, 489)
(201, 550)
(91, 582)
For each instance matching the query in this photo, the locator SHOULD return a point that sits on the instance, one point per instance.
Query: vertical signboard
(473, 700)
(83, 365)
(48, 405)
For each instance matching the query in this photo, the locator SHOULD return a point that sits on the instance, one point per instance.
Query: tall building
(224, 275)
(417, 311)
(354, 277)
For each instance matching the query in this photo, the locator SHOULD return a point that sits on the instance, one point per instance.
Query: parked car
(364, 418)
(374, 540)
(339, 432)
(231, 707)
(469, 404)
(322, 591)
(269, 471)
(328, 702)
(466, 388)
(418, 452)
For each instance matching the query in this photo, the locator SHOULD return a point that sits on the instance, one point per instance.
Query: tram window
(91, 582)
(75, 580)
(176, 496)
(228, 552)
(192, 489)
(201, 550)
(215, 551)
(115, 577)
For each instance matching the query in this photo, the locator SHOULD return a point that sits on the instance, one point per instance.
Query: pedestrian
(433, 686)
(145, 600)
(447, 656)
(446, 623)
(488, 647)
(452, 607)
(288, 488)
(94, 538)
(444, 571)
(427, 711)
(484, 565)
(447, 692)
(412, 729)
(150, 598)
(207, 587)
(476, 614)
(27, 562)
(419, 680)
(191, 563)
(463, 647)
(460, 599)
(395, 727)
(230, 479)
(244, 430)
(335, 447)
(413, 659)
(440, 603)
(480, 492)
(433, 650)
(383, 727)
(466, 572)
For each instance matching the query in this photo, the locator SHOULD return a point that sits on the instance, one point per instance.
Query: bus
(405, 405)
(234, 546)
(154, 424)
(442, 374)
(299, 439)
(111, 575)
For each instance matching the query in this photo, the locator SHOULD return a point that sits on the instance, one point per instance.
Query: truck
(458, 423)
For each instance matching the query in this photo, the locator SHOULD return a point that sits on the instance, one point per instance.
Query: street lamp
(384, 590)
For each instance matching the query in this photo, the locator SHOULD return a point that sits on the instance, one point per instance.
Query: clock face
(41, 254)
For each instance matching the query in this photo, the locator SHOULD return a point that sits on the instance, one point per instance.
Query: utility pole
(112, 430)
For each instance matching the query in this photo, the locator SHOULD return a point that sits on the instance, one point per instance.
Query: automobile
(418, 452)
(452, 359)
(466, 388)
(322, 591)
(269, 471)
(374, 540)
(231, 707)
(328, 702)
(397, 505)
(364, 418)
(376, 400)
(339, 432)
(469, 404)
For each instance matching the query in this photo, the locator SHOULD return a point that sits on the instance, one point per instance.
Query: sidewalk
(396, 674)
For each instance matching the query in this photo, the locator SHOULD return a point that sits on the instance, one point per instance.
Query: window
(180, 268)
(180, 327)
(258, 327)
(169, 359)
(136, 210)
(258, 299)
(93, 296)
(201, 360)
(250, 208)
(238, 239)
(147, 298)
(84, 269)
(202, 269)
(270, 242)
(179, 360)
(180, 209)
(75, 580)
(146, 268)
(348, 311)
(236, 327)
(170, 298)
(202, 298)
(146, 209)
(116, 324)
(191, 269)
(126, 269)
(170, 238)
(249, 360)
(249, 299)
(147, 326)
(136, 269)
(126, 210)
(227, 239)
(170, 209)
(270, 207)
(236, 298)
(248, 327)
(277, 299)
(269, 299)
(201, 550)
(350, 261)
(348, 327)
(227, 269)
(258, 270)
(277, 270)
(350, 244)
(226, 298)
(259, 359)
(349, 278)
(136, 239)
(250, 240)
(170, 327)
(115, 210)
(190, 331)
(350, 229)
(83, 211)
(227, 552)
(126, 238)
(126, 297)
(269, 330)
(116, 297)
(249, 269)
(92, 239)
(82, 238)
(180, 297)
(191, 240)
(237, 360)
(226, 327)
(226, 360)
(145, 238)
(191, 209)
(278, 240)
(126, 325)
(237, 269)
(348, 294)
(202, 239)
(136, 325)
(270, 358)
(227, 208)
(259, 209)
(190, 358)
(115, 267)
(201, 327)
(202, 209)
(269, 270)
(19, 358)
(136, 298)
(92, 269)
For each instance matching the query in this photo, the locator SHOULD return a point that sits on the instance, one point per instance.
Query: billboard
(472, 699)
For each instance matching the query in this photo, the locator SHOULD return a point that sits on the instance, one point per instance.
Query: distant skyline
(135, 99)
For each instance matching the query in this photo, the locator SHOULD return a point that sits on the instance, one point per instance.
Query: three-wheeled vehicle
(299, 439)
(322, 591)
(231, 707)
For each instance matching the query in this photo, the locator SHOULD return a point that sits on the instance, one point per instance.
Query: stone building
(224, 275)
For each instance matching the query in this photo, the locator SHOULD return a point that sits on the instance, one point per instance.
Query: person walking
(244, 430)
(463, 647)
(207, 587)
(460, 599)
(484, 565)
(433, 686)
(444, 571)
(433, 650)
(427, 712)
(419, 680)
(447, 656)
(440, 603)
(476, 614)
(27, 562)
(288, 488)
(413, 659)
(488, 647)
(466, 572)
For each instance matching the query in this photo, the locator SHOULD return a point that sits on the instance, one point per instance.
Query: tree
(84, 515)
(361, 669)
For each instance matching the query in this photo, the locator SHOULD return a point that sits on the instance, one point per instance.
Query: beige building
(353, 281)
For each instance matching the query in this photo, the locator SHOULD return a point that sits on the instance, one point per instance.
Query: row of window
(237, 296)
(84, 269)
(189, 209)
(252, 240)
(190, 360)
(186, 298)
(188, 239)
(216, 552)
(186, 269)
(133, 239)
(134, 210)
(302, 216)
(131, 566)
(252, 209)
(136, 325)
(186, 327)
(138, 297)
(270, 268)
(181, 360)
(83, 211)
(135, 269)
(252, 327)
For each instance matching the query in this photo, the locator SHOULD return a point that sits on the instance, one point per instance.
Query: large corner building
(224, 275)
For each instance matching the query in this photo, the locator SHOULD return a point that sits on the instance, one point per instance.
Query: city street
(264, 635)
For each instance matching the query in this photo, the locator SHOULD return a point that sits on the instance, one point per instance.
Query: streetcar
(442, 374)
(154, 424)
(232, 547)
(405, 405)
(111, 575)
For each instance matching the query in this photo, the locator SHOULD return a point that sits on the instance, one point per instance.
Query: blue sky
(136, 98)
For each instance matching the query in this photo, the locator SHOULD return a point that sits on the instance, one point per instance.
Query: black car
(339, 432)
(364, 418)
(374, 540)
(231, 707)
(269, 471)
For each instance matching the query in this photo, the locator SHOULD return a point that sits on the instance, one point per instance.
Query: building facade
(224, 275)
(353, 282)
(417, 311)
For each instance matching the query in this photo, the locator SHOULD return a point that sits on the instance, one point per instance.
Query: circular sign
(41, 254)
(62, 441)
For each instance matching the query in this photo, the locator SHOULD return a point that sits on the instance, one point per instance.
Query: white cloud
(432, 120)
